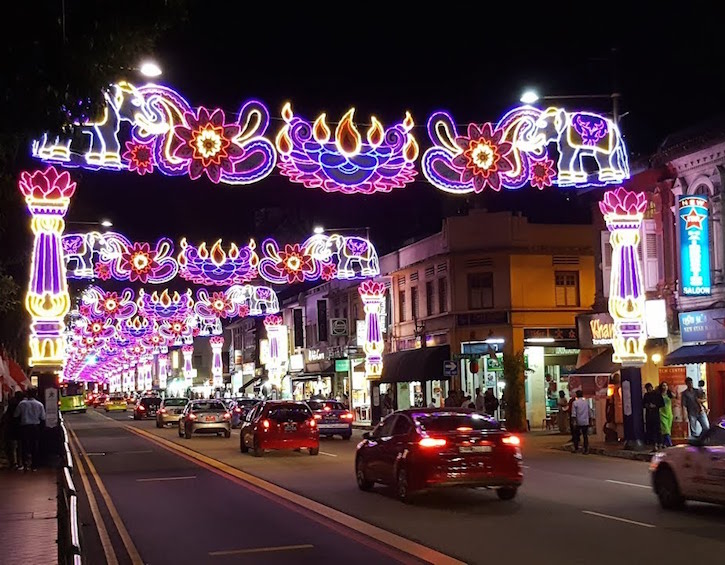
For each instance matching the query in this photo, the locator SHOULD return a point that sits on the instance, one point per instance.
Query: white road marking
(328, 454)
(95, 453)
(261, 549)
(526, 466)
(618, 519)
(165, 479)
(627, 484)
(138, 451)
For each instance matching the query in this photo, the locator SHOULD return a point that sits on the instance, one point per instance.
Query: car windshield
(214, 406)
(450, 421)
(175, 402)
(150, 401)
(322, 404)
(287, 412)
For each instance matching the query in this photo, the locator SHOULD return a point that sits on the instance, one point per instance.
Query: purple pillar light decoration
(217, 342)
(373, 296)
(163, 361)
(47, 195)
(623, 212)
(187, 351)
(276, 334)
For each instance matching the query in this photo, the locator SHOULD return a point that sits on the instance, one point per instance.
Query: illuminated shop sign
(694, 245)
(703, 325)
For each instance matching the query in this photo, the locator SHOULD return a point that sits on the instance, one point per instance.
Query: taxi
(694, 471)
(115, 402)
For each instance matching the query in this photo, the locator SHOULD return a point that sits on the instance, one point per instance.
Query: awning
(424, 364)
(312, 376)
(705, 353)
(602, 364)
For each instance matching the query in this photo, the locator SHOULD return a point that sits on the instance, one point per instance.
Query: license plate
(475, 449)
(288, 427)
(210, 419)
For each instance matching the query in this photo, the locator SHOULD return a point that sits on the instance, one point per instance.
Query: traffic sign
(450, 368)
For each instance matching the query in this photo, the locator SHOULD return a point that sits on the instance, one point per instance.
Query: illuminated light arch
(168, 135)
(514, 152)
(309, 155)
(217, 267)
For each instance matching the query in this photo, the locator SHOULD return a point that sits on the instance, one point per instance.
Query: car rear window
(449, 421)
(247, 401)
(150, 401)
(287, 412)
(117, 398)
(175, 402)
(208, 407)
(320, 405)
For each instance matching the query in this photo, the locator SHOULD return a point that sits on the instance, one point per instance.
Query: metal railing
(69, 542)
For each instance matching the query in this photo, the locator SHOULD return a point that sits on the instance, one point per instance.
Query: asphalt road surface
(571, 509)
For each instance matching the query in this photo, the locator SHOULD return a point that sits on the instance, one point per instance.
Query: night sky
(474, 62)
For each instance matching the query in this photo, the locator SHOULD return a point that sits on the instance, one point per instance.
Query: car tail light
(432, 442)
(162, 411)
(312, 423)
(346, 416)
(141, 407)
(511, 440)
(317, 417)
(464, 429)
(265, 424)
(227, 415)
(237, 410)
(327, 409)
(191, 416)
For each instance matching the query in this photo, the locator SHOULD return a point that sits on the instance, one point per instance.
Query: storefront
(415, 377)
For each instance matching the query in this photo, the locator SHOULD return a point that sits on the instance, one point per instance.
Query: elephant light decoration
(47, 194)
(372, 294)
(623, 212)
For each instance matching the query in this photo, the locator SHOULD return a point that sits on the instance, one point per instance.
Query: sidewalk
(28, 517)
(562, 442)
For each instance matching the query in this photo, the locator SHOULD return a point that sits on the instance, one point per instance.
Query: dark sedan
(420, 449)
(333, 418)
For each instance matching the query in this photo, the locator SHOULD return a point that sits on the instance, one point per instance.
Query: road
(572, 508)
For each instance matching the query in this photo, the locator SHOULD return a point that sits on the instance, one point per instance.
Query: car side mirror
(366, 435)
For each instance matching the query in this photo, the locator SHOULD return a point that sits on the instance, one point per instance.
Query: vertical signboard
(693, 222)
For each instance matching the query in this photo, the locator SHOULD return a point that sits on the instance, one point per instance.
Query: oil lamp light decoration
(372, 294)
(623, 212)
(47, 194)
(311, 155)
(217, 267)
(165, 306)
(217, 342)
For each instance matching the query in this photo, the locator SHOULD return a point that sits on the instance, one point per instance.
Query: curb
(619, 453)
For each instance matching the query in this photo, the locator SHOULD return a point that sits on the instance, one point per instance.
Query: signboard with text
(693, 215)
(703, 325)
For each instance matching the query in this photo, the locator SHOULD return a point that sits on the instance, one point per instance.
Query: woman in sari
(666, 416)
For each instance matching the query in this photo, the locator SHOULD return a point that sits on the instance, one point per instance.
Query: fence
(69, 543)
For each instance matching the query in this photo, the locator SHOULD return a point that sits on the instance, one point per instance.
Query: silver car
(205, 416)
(170, 411)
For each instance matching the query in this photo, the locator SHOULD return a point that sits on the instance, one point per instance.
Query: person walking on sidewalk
(562, 416)
(11, 432)
(652, 402)
(666, 416)
(32, 414)
(696, 415)
(580, 415)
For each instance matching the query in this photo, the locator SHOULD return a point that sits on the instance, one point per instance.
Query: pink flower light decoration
(139, 157)
(272, 320)
(622, 202)
(46, 185)
(371, 288)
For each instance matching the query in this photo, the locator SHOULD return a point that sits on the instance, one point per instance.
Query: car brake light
(191, 416)
(511, 440)
(227, 415)
(317, 417)
(141, 407)
(464, 429)
(327, 409)
(312, 423)
(265, 424)
(162, 411)
(237, 410)
(346, 416)
(432, 442)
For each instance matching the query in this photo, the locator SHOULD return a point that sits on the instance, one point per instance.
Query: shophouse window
(567, 288)
(401, 305)
(414, 301)
(480, 291)
(442, 296)
(322, 320)
(429, 298)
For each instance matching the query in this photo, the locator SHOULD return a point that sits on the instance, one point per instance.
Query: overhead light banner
(694, 213)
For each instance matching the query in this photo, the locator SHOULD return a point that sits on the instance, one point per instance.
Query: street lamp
(530, 97)
(150, 69)
(107, 223)
(318, 230)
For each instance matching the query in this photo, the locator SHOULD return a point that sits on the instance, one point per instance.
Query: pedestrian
(572, 423)
(11, 432)
(467, 401)
(581, 418)
(450, 401)
(480, 401)
(387, 404)
(666, 416)
(490, 402)
(32, 415)
(562, 416)
(702, 396)
(652, 402)
(432, 404)
(696, 415)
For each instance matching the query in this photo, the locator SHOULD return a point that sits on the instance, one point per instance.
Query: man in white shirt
(31, 413)
(580, 419)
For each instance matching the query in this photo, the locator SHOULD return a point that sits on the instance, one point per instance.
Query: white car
(695, 471)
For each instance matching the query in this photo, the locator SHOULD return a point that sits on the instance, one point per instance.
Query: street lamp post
(530, 97)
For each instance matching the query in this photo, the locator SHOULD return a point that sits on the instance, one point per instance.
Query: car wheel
(257, 451)
(136, 417)
(297, 449)
(187, 432)
(402, 487)
(347, 437)
(181, 434)
(314, 450)
(506, 493)
(159, 424)
(362, 482)
(242, 446)
(83, 411)
(228, 433)
(667, 490)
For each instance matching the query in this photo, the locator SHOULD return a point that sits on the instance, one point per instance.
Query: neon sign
(311, 156)
(623, 212)
(694, 230)
(168, 135)
(514, 151)
(373, 296)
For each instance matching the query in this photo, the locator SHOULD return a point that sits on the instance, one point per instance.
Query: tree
(514, 367)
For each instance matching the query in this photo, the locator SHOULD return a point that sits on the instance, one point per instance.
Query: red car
(420, 449)
(279, 424)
